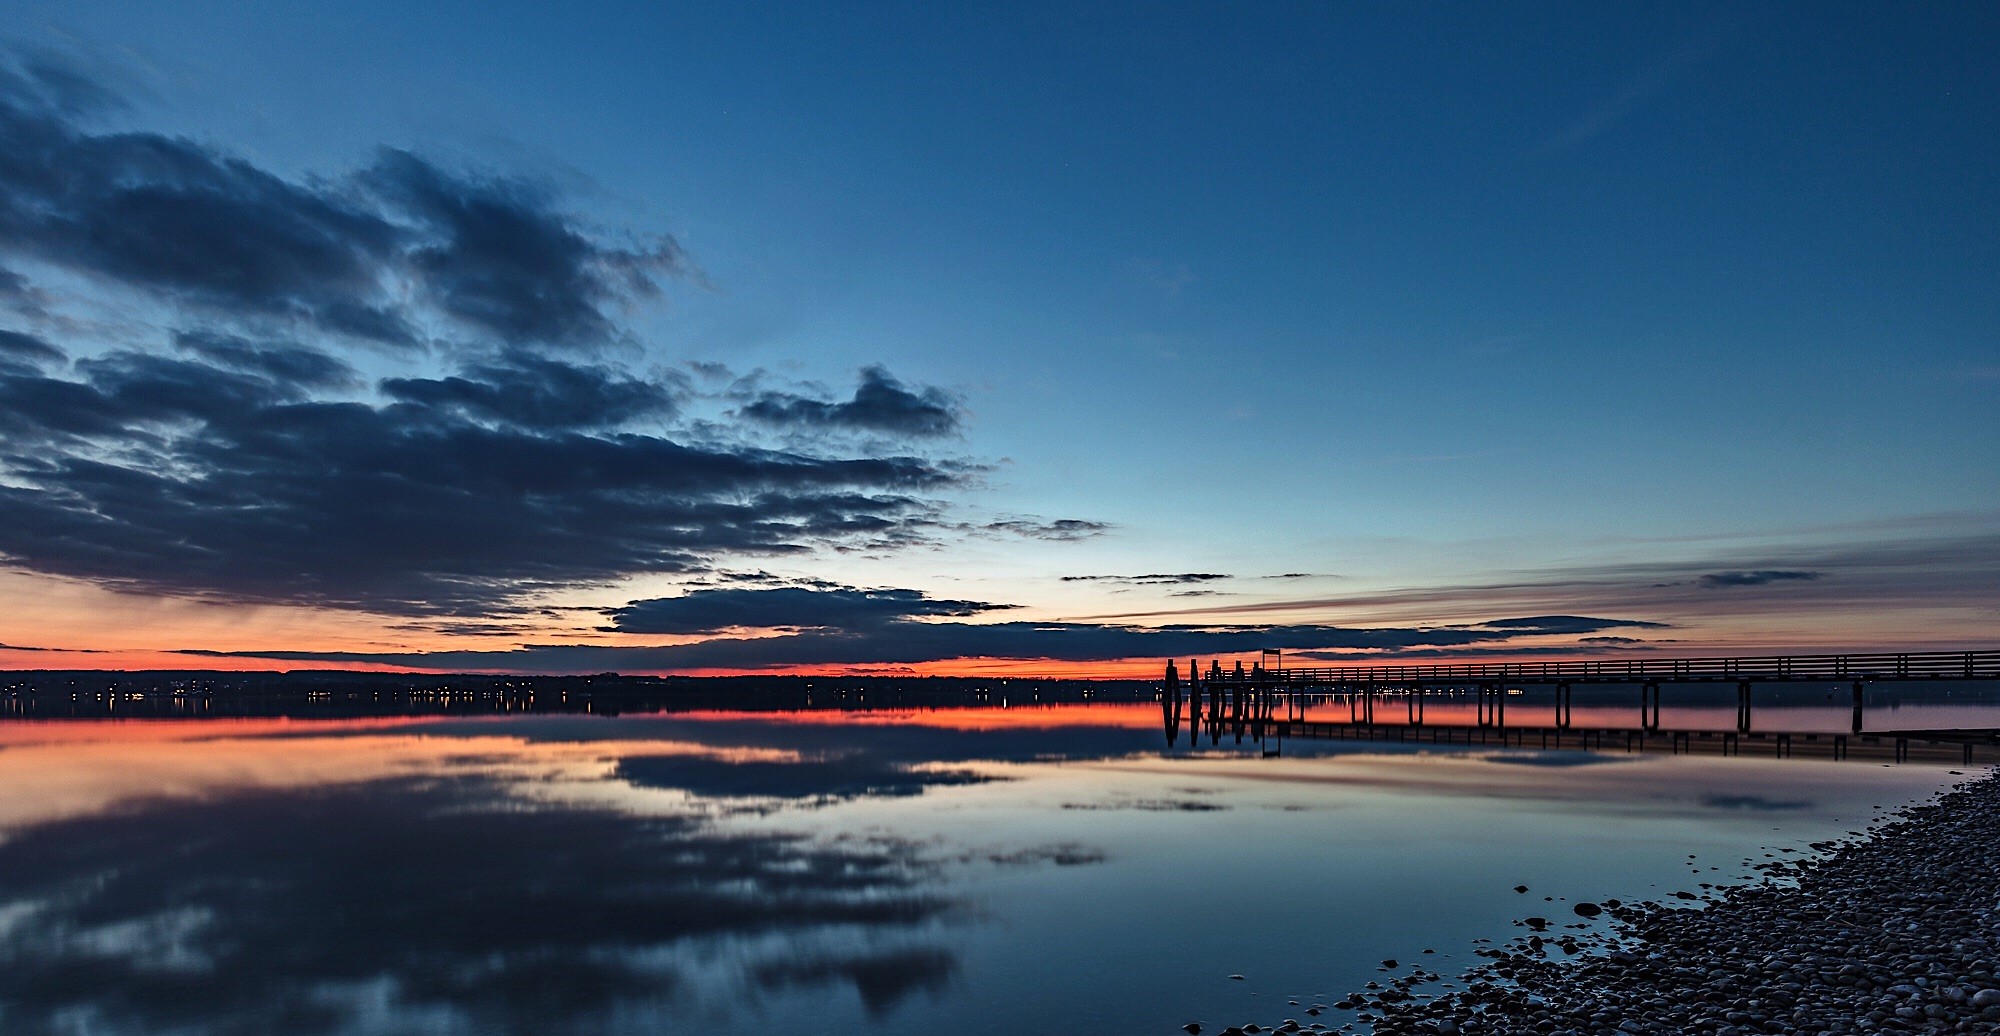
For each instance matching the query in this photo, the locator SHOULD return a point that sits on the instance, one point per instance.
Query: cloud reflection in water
(820, 780)
(982, 870)
(414, 903)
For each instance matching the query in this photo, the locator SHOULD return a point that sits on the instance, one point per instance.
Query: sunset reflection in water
(994, 869)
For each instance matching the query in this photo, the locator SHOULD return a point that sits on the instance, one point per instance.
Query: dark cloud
(1556, 624)
(124, 402)
(378, 255)
(497, 256)
(17, 294)
(539, 393)
(1721, 580)
(1152, 579)
(897, 627)
(282, 363)
(470, 627)
(790, 607)
(46, 79)
(23, 297)
(172, 218)
(1473, 651)
(1062, 530)
(23, 647)
(174, 476)
(881, 404)
(249, 463)
(20, 350)
(318, 912)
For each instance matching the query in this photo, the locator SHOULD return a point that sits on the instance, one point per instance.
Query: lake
(989, 869)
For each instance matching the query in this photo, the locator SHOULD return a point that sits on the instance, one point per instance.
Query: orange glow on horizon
(1024, 716)
(999, 669)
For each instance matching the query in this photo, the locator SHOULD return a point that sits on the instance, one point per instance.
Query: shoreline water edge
(1895, 931)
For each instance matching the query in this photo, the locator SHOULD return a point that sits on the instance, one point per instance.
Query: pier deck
(1273, 702)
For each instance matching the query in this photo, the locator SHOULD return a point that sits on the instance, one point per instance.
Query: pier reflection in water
(987, 869)
(1957, 720)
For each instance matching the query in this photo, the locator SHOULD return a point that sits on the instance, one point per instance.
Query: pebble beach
(1897, 931)
(1893, 933)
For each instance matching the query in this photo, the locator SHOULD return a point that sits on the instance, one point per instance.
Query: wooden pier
(1270, 703)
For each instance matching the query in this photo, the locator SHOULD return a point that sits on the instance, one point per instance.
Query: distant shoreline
(198, 694)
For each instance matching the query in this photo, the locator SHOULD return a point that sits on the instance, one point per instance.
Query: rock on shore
(1898, 932)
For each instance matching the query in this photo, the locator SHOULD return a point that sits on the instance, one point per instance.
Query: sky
(1027, 339)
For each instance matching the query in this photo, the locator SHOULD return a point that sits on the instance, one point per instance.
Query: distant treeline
(196, 693)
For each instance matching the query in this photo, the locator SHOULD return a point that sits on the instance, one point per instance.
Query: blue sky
(1469, 296)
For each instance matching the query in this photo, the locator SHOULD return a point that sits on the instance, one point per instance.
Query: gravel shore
(1895, 932)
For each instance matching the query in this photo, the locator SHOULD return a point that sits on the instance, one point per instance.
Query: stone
(1891, 931)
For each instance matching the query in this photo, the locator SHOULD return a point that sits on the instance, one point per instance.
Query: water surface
(991, 869)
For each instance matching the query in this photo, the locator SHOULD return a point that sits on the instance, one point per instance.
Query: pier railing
(1928, 665)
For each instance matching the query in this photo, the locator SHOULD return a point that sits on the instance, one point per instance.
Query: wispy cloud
(25, 647)
(1640, 86)
(1061, 530)
(1759, 577)
(1948, 567)
(1152, 578)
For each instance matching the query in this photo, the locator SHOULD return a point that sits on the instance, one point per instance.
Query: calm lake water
(989, 870)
